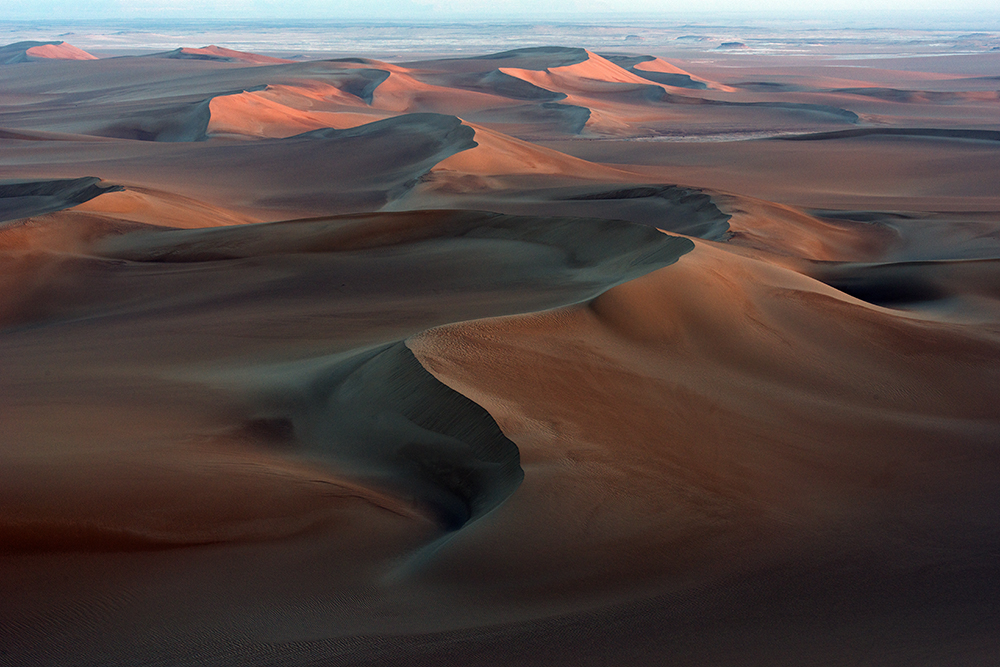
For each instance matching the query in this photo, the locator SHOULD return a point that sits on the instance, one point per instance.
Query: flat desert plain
(548, 356)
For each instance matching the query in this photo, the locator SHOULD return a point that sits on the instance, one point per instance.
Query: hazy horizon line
(916, 14)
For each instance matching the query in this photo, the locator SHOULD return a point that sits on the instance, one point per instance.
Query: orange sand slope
(23, 52)
(544, 357)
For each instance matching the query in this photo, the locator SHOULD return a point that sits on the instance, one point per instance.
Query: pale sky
(483, 9)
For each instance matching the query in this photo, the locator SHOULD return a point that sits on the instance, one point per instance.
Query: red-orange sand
(546, 357)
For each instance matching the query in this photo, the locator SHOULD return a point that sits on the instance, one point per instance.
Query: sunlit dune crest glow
(550, 356)
(213, 52)
(60, 51)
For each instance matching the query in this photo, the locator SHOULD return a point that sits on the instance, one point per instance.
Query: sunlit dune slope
(270, 114)
(213, 52)
(25, 52)
(728, 407)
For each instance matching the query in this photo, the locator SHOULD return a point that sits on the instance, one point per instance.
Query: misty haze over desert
(665, 342)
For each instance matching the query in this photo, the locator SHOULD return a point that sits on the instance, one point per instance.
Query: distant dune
(23, 52)
(224, 55)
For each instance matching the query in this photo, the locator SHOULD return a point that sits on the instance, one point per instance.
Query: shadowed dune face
(371, 164)
(22, 199)
(342, 398)
(535, 357)
(657, 70)
(436, 445)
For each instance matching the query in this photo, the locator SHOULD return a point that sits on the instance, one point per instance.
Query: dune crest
(660, 71)
(258, 114)
(594, 75)
(651, 68)
(22, 199)
(23, 52)
(219, 53)
(498, 154)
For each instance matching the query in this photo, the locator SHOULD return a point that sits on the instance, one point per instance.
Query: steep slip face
(22, 199)
(382, 416)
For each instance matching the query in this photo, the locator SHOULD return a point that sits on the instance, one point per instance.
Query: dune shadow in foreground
(380, 415)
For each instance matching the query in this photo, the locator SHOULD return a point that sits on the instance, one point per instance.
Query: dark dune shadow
(628, 62)
(23, 199)
(916, 132)
(382, 417)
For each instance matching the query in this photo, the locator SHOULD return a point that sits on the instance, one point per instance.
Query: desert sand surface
(564, 354)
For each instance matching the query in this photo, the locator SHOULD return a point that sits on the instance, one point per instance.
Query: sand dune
(593, 75)
(156, 99)
(756, 438)
(22, 199)
(152, 207)
(278, 178)
(258, 115)
(670, 208)
(25, 52)
(546, 119)
(226, 55)
(660, 71)
(533, 58)
(539, 357)
(434, 460)
(501, 83)
(498, 154)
